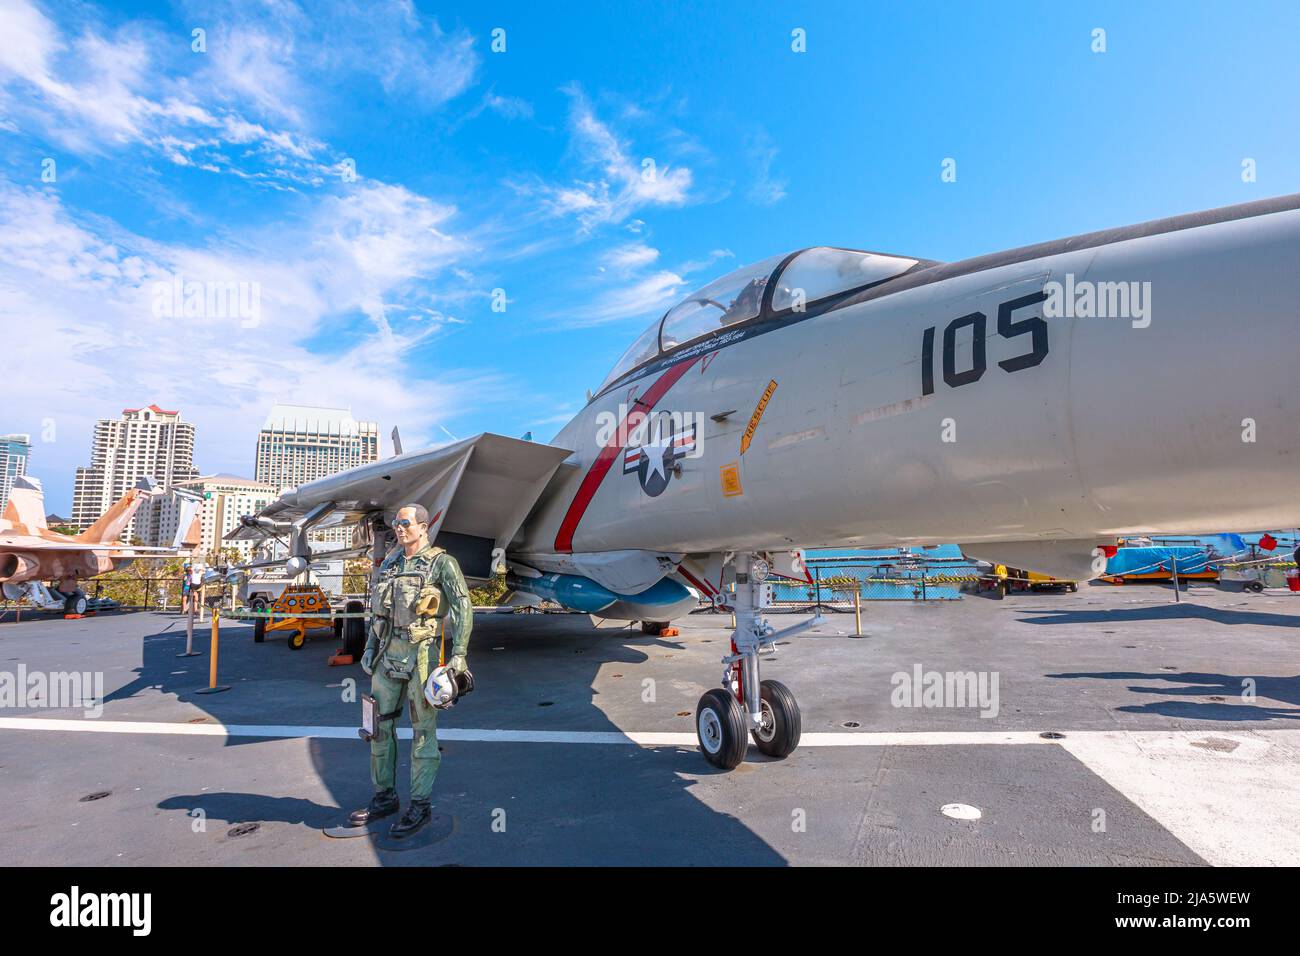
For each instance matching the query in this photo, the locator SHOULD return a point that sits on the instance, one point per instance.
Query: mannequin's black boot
(383, 804)
(413, 820)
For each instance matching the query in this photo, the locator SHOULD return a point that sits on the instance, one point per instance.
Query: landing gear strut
(747, 705)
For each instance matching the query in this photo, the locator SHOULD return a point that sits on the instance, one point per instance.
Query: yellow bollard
(212, 687)
(857, 611)
(212, 666)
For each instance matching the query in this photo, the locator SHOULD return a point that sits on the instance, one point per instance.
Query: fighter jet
(31, 554)
(1030, 404)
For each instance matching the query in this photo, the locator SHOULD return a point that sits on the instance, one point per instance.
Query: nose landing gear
(746, 705)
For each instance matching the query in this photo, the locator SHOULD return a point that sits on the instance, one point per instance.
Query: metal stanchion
(189, 635)
(213, 687)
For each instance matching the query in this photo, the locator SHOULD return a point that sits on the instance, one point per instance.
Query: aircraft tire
(779, 705)
(259, 630)
(720, 727)
(354, 631)
(75, 603)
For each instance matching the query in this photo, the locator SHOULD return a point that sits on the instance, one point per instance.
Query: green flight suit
(411, 635)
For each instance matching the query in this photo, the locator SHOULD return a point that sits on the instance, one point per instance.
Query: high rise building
(13, 462)
(148, 442)
(226, 499)
(300, 443)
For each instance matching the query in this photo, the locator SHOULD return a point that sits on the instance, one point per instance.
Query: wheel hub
(766, 728)
(710, 731)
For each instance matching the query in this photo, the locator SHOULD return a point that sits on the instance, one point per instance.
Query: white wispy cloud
(622, 184)
(511, 107)
(629, 290)
(78, 302)
(95, 91)
(647, 294)
(244, 105)
(766, 188)
(631, 256)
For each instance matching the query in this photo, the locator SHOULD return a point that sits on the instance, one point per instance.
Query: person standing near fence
(191, 581)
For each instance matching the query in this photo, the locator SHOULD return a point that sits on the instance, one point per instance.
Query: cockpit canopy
(806, 278)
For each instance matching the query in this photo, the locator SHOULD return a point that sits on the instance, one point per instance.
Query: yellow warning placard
(731, 480)
(757, 417)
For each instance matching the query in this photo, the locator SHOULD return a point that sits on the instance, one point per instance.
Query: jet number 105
(1034, 327)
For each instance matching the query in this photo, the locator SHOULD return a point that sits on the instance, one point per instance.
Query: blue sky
(525, 171)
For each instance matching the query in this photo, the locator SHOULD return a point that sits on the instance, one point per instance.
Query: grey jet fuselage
(995, 401)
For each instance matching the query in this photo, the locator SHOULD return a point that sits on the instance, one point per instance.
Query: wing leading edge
(479, 489)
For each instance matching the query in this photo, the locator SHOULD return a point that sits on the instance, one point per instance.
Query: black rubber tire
(259, 603)
(1255, 587)
(653, 627)
(297, 640)
(75, 603)
(718, 718)
(787, 723)
(354, 631)
(259, 630)
(338, 628)
(1072, 588)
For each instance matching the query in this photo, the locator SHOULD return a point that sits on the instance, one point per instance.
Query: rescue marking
(757, 417)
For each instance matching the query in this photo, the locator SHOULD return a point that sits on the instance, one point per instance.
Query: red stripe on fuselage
(605, 460)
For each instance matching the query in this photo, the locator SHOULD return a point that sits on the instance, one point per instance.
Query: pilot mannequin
(420, 603)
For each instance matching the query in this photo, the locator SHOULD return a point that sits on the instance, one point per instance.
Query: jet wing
(481, 488)
(116, 549)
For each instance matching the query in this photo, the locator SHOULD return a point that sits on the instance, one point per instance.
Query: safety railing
(139, 594)
(839, 584)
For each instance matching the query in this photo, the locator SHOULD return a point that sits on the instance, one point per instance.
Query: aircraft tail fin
(189, 523)
(110, 524)
(26, 506)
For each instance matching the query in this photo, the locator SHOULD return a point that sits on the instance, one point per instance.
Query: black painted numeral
(1034, 326)
(955, 379)
(927, 362)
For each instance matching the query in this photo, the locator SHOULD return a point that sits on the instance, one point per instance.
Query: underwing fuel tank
(663, 600)
(570, 590)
